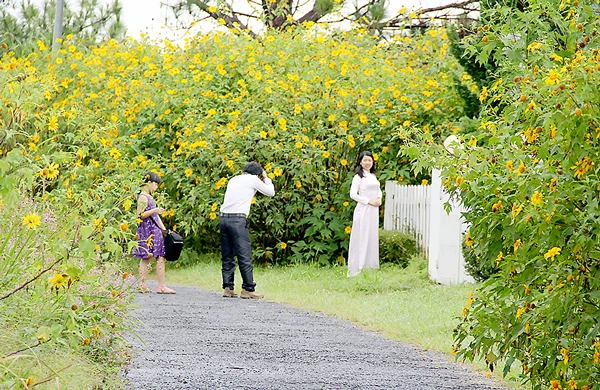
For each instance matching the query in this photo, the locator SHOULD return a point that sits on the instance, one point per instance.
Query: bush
(301, 103)
(480, 268)
(532, 194)
(396, 247)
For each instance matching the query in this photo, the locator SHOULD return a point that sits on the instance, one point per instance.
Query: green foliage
(396, 247)
(481, 269)
(23, 23)
(303, 104)
(532, 195)
(58, 292)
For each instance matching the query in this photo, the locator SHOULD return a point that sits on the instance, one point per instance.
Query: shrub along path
(200, 340)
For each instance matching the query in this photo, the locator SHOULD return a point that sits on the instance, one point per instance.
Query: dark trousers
(235, 241)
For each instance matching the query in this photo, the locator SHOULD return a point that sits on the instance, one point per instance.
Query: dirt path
(200, 340)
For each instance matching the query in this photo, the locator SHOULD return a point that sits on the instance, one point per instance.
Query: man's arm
(264, 185)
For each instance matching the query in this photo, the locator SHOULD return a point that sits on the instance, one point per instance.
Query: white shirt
(240, 191)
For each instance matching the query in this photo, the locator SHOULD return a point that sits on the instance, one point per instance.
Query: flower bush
(57, 294)
(303, 103)
(532, 190)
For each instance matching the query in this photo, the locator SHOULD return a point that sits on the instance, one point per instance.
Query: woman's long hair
(358, 169)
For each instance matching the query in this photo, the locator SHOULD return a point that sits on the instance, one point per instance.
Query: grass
(52, 366)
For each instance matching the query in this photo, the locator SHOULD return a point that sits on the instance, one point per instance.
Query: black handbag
(173, 243)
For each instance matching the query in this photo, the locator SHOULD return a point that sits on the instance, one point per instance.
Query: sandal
(144, 289)
(165, 290)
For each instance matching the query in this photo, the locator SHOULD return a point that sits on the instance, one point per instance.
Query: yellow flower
(149, 241)
(521, 168)
(283, 245)
(424, 182)
(497, 206)
(212, 215)
(552, 78)
(331, 118)
(516, 245)
(326, 154)
(346, 204)
(59, 280)
(124, 226)
(483, 95)
(469, 240)
(298, 145)
(214, 207)
(520, 312)
(50, 172)
(344, 162)
(32, 221)
(534, 46)
(277, 172)
(220, 183)
(509, 165)
(516, 209)
(375, 157)
(565, 353)
(298, 184)
(536, 198)
(42, 45)
(363, 119)
(127, 204)
(263, 134)
(583, 166)
(348, 229)
(114, 153)
(188, 172)
(555, 251)
(53, 123)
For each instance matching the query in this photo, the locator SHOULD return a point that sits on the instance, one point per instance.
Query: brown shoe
(229, 293)
(251, 295)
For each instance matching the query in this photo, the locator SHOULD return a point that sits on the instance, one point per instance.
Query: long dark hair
(358, 169)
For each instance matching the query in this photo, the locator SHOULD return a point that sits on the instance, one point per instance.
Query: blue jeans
(235, 241)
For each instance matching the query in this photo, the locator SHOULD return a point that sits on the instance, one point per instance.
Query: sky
(148, 15)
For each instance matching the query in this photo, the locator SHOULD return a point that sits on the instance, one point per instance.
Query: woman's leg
(143, 273)
(160, 275)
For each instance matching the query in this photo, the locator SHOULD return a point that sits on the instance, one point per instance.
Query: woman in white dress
(363, 251)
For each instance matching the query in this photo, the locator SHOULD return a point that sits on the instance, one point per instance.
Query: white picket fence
(407, 210)
(419, 211)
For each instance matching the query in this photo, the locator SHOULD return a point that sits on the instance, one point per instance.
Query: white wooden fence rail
(407, 209)
(419, 211)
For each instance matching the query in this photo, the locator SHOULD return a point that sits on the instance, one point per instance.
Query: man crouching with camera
(235, 237)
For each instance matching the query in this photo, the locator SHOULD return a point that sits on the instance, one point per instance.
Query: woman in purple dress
(149, 235)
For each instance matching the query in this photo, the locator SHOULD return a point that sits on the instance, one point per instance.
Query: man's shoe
(251, 295)
(229, 293)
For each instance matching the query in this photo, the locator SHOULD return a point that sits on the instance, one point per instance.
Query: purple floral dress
(149, 235)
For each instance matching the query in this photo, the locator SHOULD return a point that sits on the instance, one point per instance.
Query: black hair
(151, 177)
(358, 169)
(253, 168)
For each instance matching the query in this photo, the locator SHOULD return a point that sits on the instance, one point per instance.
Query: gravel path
(200, 340)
